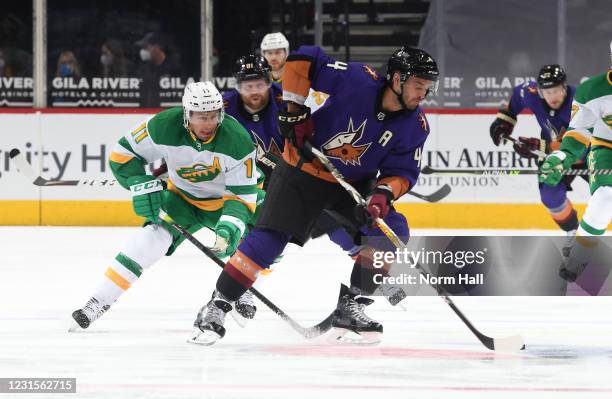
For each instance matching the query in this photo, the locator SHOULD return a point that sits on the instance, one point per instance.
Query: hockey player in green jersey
(211, 183)
(591, 124)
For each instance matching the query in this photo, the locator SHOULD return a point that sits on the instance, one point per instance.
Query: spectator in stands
(157, 63)
(68, 66)
(113, 60)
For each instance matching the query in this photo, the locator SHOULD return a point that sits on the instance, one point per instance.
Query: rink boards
(76, 144)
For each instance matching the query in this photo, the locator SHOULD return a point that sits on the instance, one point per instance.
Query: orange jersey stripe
(117, 279)
(245, 265)
(120, 158)
(295, 77)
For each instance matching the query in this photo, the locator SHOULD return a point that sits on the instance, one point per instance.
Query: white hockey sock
(146, 247)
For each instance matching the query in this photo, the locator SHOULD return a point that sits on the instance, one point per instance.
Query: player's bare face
(204, 124)
(254, 93)
(276, 58)
(415, 91)
(554, 96)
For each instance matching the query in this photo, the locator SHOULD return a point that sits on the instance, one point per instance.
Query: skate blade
(75, 328)
(241, 321)
(203, 338)
(343, 336)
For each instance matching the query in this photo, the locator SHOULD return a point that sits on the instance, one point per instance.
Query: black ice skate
(351, 324)
(89, 313)
(244, 309)
(208, 326)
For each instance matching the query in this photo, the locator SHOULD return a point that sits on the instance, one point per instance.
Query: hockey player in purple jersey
(255, 104)
(550, 100)
(371, 127)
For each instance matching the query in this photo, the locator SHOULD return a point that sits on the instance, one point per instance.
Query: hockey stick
(509, 344)
(306, 332)
(436, 196)
(428, 170)
(25, 168)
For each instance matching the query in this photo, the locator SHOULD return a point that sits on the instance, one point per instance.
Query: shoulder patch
(370, 71)
(423, 121)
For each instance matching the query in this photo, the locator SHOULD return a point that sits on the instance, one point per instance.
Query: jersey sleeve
(400, 170)
(517, 100)
(240, 197)
(131, 153)
(310, 68)
(402, 166)
(578, 135)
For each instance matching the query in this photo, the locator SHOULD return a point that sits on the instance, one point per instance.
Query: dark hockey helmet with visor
(410, 61)
(551, 76)
(251, 67)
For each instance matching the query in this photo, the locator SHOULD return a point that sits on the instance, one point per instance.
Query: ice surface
(138, 349)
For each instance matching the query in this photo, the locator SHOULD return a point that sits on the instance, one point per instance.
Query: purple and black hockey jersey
(263, 125)
(350, 127)
(553, 122)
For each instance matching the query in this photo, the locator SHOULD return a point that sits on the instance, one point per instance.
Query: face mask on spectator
(65, 70)
(145, 55)
(106, 59)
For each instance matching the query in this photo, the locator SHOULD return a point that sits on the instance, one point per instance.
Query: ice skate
(244, 309)
(208, 326)
(89, 313)
(351, 324)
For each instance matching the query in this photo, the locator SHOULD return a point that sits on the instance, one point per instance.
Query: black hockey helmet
(250, 67)
(410, 61)
(551, 76)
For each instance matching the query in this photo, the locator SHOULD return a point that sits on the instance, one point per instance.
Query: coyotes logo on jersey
(260, 146)
(342, 145)
(200, 172)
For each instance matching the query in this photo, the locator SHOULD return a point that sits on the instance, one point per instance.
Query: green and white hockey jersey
(219, 173)
(591, 121)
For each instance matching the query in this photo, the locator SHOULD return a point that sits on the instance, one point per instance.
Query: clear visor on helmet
(256, 86)
(423, 82)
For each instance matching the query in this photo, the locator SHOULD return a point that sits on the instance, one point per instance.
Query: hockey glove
(146, 196)
(296, 126)
(378, 205)
(526, 145)
(228, 236)
(553, 166)
(500, 128)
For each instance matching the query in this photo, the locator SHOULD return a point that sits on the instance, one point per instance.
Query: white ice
(138, 349)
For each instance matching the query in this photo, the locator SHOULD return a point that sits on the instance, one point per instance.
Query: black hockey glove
(501, 127)
(296, 126)
(526, 145)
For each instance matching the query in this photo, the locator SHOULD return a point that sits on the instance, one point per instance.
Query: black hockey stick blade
(306, 332)
(436, 196)
(24, 167)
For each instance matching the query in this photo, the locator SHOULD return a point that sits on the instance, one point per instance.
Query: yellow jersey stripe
(603, 143)
(578, 137)
(120, 158)
(117, 279)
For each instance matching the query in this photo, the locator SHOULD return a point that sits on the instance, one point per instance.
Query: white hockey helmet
(273, 41)
(201, 97)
